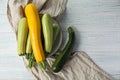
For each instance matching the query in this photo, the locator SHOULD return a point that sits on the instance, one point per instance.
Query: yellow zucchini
(35, 33)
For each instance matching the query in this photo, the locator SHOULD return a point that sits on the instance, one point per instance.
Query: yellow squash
(35, 33)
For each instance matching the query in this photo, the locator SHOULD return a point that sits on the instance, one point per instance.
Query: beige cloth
(15, 12)
(78, 67)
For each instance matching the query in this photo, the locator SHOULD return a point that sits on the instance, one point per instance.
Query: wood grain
(97, 27)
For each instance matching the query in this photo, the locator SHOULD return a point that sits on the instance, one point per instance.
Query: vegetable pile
(37, 36)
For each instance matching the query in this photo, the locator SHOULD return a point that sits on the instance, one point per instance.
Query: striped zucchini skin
(22, 36)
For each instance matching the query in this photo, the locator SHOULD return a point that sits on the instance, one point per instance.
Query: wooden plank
(11, 65)
(3, 7)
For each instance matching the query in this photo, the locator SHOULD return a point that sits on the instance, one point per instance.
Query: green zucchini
(56, 30)
(29, 53)
(63, 55)
(47, 32)
(29, 45)
(22, 36)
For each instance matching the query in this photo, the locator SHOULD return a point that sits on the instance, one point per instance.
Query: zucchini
(63, 55)
(29, 45)
(47, 32)
(34, 25)
(22, 36)
(56, 30)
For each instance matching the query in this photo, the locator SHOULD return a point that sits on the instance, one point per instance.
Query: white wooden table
(97, 27)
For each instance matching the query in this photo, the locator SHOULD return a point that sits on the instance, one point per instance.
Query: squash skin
(63, 55)
(35, 31)
(47, 26)
(22, 36)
